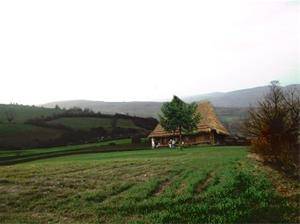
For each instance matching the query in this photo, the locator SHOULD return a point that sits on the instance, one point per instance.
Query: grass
(12, 129)
(86, 123)
(195, 185)
(7, 130)
(7, 153)
(20, 135)
(23, 113)
(16, 156)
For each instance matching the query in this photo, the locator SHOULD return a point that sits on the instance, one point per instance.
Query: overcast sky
(143, 50)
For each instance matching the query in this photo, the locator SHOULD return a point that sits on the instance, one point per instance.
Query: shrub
(274, 128)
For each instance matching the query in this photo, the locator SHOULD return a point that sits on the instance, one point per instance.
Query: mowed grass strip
(8, 157)
(121, 187)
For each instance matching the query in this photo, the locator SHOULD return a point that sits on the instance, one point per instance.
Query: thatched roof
(209, 121)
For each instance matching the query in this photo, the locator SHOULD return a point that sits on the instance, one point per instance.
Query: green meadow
(16, 156)
(34, 127)
(195, 185)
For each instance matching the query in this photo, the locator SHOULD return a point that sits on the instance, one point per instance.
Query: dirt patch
(161, 188)
(284, 185)
(255, 156)
(203, 184)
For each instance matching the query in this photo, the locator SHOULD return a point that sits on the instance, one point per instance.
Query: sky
(144, 50)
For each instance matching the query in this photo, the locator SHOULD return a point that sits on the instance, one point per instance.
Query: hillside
(238, 98)
(230, 108)
(143, 109)
(23, 112)
(234, 99)
(44, 127)
(232, 118)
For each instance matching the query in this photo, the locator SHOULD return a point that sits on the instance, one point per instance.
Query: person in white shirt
(170, 143)
(173, 143)
(152, 143)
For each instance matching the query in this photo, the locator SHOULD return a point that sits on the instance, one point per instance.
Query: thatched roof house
(210, 130)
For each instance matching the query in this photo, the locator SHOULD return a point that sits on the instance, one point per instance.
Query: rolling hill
(143, 109)
(234, 99)
(33, 126)
(24, 112)
(231, 108)
(238, 98)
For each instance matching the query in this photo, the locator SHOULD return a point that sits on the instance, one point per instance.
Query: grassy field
(26, 130)
(7, 154)
(44, 129)
(23, 113)
(19, 135)
(200, 184)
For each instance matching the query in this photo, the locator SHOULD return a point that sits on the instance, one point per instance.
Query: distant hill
(143, 109)
(234, 99)
(238, 98)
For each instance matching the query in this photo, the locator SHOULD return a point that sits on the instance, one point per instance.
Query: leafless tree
(10, 115)
(274, 126)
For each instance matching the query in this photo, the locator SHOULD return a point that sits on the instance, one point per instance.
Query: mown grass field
(32, 154)
(195, 185)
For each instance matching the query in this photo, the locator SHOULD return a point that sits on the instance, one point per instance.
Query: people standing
(158, 145)
(173, 143)
(170, 143)
(153, 143)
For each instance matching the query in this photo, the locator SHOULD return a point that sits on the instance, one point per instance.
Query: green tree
(179, 116)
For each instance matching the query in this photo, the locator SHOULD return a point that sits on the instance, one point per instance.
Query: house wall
(201, 138)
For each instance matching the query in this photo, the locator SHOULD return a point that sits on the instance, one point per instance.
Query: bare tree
(274, 126)
(10, 115)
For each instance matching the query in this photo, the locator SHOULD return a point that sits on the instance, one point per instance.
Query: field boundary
(99, 149)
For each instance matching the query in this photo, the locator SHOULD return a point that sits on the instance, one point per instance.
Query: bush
(274, 128)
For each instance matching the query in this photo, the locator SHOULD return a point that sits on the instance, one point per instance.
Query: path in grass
(201, 184)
